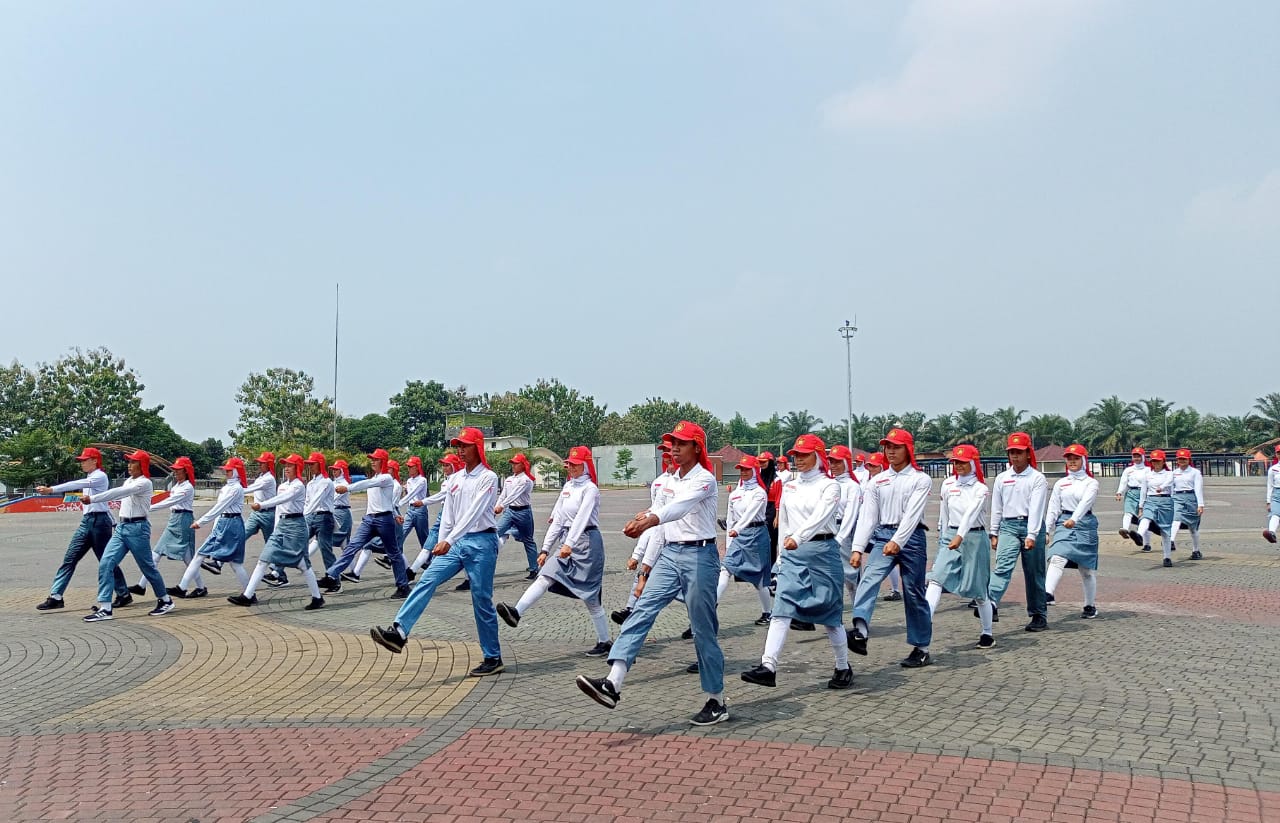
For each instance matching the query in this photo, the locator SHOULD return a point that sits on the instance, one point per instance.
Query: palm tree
(1153, 416)
(1268, 409)
(1110, 424)
(1229, 434)
(1050, 428)
(972, 426)
(796, 423)
(937, 434)
(1006, 420)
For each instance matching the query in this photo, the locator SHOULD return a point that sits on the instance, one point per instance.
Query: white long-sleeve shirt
(850, 505)
(469, 508)
(135, 497)
(320, 496)
(650, 543)
(415, 488)
(262, 488)
(577, 507)
(96, 482)
(746, 505)
(1019, 494)
(181, 498)
(893, 498)
(1189, 480)
(1273, 480)
(861, 475)
(230, 501)
(689, 506)
(290, 498)
(382, 490)
(809, 505)
(517, 490)
(1074, 493)
(1156, 483)
(963, 504)
(1131, 478)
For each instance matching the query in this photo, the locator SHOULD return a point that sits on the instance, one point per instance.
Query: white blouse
(290, 498)
(577, 507)
(850, 505)
(809, 505)
(1189, 480)
(746, 505)
(181, 497)
(1156, 482)
(320, 495)
(230, 501)
(964, 504)
(1074, 493)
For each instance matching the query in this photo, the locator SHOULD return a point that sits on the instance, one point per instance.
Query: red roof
(729, 455)
(1051, 452)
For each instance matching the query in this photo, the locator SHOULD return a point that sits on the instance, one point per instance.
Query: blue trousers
(912, 560)
(478, 554)
(134, 539)
(93, 534)
(418, 522)
(341, 526)
(385, 527)
(1009, 548)
(691, 571)
(520, 523)
(320, 526)
(263, 521)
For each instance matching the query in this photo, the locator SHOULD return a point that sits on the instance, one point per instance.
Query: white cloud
(1239, 207)
(967, 59)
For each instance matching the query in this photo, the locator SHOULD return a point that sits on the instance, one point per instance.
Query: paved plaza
(1164, 708)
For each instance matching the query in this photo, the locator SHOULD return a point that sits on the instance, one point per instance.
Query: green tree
(418, 411)
(150, 432)
(740, 431)
(937, 434)
(278, 411)
(214, 454)
(87, 395)
(373, 431)
(796, 423)
(1006, 420)
(1268, 409)
(655, 417)
(557, 416)
(1184, 428)
(972, 426)
(1151, 416)
(34, 456)
(17, 399)
(624, 471)
(1111, 425)
(1046, 429)
(619, 429)
(770, 432)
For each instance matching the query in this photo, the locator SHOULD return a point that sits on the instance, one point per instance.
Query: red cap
(810, 444)
(1137, 450)
(453, 461)
(380, 459)
(143, 458)
(902, 437)
(416, 462)
(346, 470)
(471, 436)
(237, 465)
(840, 452)
(90, 453)
(972, 456)
(317, 459)
(750, 462)
(297, 462)
(782, 460)
(185, 464)
(1083, 453)
(1022, 442)
(668, 462)
(269, 460)
(1183, 453)
(878, 459)
(686, 430)
(393, 468)
(859, 457)
(1156, 454)
(581, 455)
(520, 460)
(769, 455)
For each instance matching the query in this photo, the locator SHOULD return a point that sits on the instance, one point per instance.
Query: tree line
(92, 396)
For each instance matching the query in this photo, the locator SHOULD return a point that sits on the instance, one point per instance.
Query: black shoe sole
(508, 614)
(748, 678)
(857, 645)
(590, 691)
(720, 718)
(477, 673)
(381, 641)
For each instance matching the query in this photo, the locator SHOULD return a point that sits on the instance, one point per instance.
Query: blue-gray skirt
(341, 526)
(226, 541)
(1159, 510)
(965, 571)
(1079, 544)
(581, 574)
(288, 544)
(810, 583)
(1275, 501)
(1184, 509)
(1132, 497)
(178, 541)
(749, 558)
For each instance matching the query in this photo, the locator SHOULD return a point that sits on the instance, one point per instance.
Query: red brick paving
(583, 776)
(224, 774)
(1232, 603)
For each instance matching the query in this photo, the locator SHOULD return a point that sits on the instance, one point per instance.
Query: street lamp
(847, 331)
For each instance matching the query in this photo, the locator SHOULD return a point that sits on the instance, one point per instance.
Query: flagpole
(336, 299)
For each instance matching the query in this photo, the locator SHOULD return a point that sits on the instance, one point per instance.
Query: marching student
(859, 469)
(748, 558)
(785, 475)
(1018, 499)
(340, 471)
(263, 520)
(890, 533)
(1156, 506)
(410, 517)
(93, 533)
(773, 487)
(963, 563)
(873, 465)
(468, 539)
(642, 545)
(572, 556)
(319, 509)
(688, 564)
(1273, 498)
(287, 546)
(810, 574)
(226, 542)
(1075, 528)
(840, 458)
(1130, 491)
(132, 536)
(375, 544)
(449, 464)
(177, 542)
(516, 512)
(1188, 500)
(377, 521)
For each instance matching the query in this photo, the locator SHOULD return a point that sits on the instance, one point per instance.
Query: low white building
(506, 441)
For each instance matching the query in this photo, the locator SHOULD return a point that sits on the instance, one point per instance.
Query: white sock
(420, 561)
(534, 593)
(313, 545)
(1173, 532)
(310, 574)
(839, 645)
(984, 612)
(861, 626)
(773, 642)
(766, 601)
(722, 584)
(1144, 527)
(193, 568)
(1089, 577)
(258, 573)
(716, 696)
(932, 595)
(1166, 543)
(599, 620)
(1273, 523)
(358, 567)
(199, 579)
(241, 575)
(617, 673)
(1195, 539)
(1054, 573)
(1127, 521)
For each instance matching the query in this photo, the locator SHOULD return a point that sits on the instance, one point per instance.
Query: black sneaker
(122, 600)
(162, 607)
(1168, 564)
(1137, 540)
(599, 689)
(350, 577)
(841, 679)
(1048, 598)
(1173, 547)
(201, 592)
(761, 676)
(693, 668)
(464, 586)
(764, 618)
(600, 649)
(533, 575)
(1268, 535)
(276, 582)
(241, 600)
(97, 615)
(1124, 533)
(802, 626)
(174, 591)
(509, 614)
(137, 589)
(687, 634)
(973, 604)
(857, 643)
(410, 575)
(329, 584)
(491, 665)
(916, 660)
(995, 613)
(620, 616)
(382, 560)
(1037, 624)
(893, 597)
(1089, 613)
(50, 603)
(712, 713)
(388, 639)
(986, 641)
(316, 603)
(1196, 555)
(211, 566)
(401, 592)
(1146, 548)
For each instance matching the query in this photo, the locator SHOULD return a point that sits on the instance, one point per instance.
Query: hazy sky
(652, 199)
